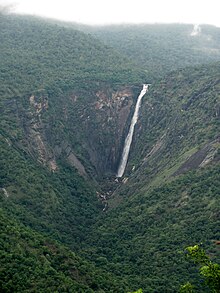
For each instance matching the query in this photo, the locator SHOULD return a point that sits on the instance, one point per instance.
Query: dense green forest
(67, 97)
(160, 48)
(33, 263)
(181, 115)
(54, 57)
(144, 236)
(64, 70)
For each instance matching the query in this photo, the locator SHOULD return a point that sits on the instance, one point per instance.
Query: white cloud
(119, 11)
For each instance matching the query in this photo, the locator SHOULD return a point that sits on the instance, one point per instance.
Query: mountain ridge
(66, 103)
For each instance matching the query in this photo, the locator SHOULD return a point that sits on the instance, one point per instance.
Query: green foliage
(161, 48)
(208, 270)
(140, 237)
(55, 58)
(66, 69)
(198, 255)
(169, 200)
(186, 288)
(178, 126)
(31, 262)
(138, 291)
(61, 204)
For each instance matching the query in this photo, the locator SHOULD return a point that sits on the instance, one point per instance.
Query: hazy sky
(122, 11)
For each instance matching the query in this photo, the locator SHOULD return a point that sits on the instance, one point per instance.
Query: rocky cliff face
(84, 129)
(112, 114)
(178, 128)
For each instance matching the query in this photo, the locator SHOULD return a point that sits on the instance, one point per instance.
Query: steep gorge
(68, 107)
(63, 124)
(84, 129)
(170, 139)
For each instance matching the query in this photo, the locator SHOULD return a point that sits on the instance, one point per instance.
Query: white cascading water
(129, 137)
(196, 30)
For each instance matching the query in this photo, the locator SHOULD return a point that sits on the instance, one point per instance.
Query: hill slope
(179, 122)
(54, 97)
(142, 240)
(49, 71)
(161, 48)
(52, 56)
(66, 103)
(33, 263)
(169, 196)
(51, 77)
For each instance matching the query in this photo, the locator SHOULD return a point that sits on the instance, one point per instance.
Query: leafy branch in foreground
(138, 291)
(209, 271)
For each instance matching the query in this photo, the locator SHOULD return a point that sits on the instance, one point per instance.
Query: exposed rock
(209, 157)
(110, 116)
(103, 120)
(5, 192)
(74, 97)
(124, 180)
(72, 159)
(200, 158)
(8, 141)
(183, 201)
(36, 141)
(52, 165)
(154, 149)
(39, 106)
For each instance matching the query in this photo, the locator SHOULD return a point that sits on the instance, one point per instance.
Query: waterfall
(129, 137)
(196, 30)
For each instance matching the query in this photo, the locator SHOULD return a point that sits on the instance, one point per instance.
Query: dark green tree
(209, 271)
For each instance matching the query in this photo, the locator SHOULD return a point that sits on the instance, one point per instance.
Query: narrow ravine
(129, 137)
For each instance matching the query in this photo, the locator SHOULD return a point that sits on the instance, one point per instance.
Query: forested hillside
(31, 262)
(169, 197)
(144, 237)
(160, 48)
(52, 79)
(49, 71)
(66, 103)
(181, 114)
(51, 56)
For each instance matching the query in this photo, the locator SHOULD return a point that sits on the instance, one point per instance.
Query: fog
(122, 11)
